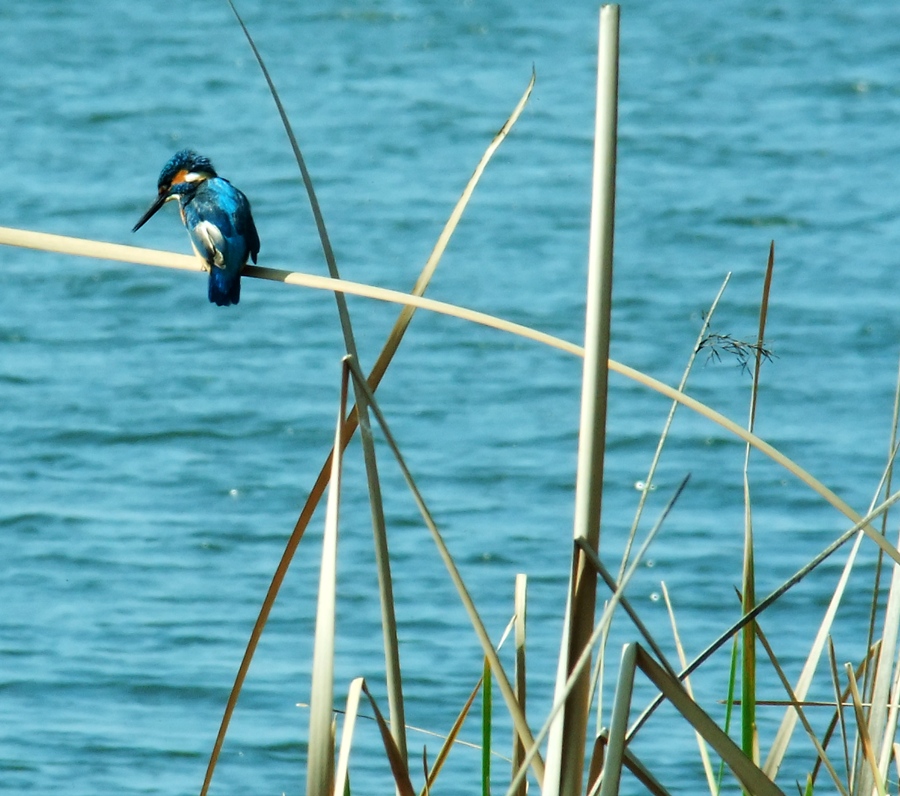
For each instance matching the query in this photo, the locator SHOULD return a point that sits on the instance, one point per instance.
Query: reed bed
(558, 753)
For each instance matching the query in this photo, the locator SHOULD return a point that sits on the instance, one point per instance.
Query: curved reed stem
(132, 254)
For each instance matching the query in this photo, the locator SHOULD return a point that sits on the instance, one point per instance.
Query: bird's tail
(224, 288)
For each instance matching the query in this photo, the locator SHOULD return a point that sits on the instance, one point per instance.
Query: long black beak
(160, 201)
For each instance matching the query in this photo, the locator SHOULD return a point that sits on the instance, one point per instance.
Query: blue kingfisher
(217, 217)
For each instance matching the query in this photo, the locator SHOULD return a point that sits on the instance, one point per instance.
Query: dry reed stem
(382, 558)
(780, 745)
(882, 726)
(682, 658)
(765, 603)
(130, 254)
(654, 463)
(602, 624)
(451, 738)
(797, 707)
(566, 742)
(863, 734)
(506, 689)
(100, 250)
(839, 704)
(635, 657)
(632, 763)
(749, 734)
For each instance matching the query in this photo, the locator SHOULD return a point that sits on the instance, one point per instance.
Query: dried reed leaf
(704, 753)
(874, 609)
(318, 488)
(782, 741)
(395, 757)
(451, 739)
(382, 559)
(503, 683)
(882, 724)
(750, 775)
(611, 776)
(839, 703)
(796, 706)
(769, 600)
(632, 763)
(341, 778)
(890, 729)
(596, 762)
(320, 754)
(601, 627)
(843, 701)
(862, 730)
(782, 738)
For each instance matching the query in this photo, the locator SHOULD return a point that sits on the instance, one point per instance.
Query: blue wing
(221, 227)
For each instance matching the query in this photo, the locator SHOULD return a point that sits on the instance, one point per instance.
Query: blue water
(156, 450)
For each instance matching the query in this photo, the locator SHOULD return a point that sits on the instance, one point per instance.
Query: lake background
(155, 450)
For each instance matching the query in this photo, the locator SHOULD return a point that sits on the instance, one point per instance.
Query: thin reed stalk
(749, 736)
(797, 707)
(506, 689)
(764, 604)
(682, 658)
(521, 604)
(451, 739)
(752, 779)
(780, 745)
(882, 724)
(382, 559)
(342, 774)
(582, 664)
(865, 741)
(388, 351)
(663, 437)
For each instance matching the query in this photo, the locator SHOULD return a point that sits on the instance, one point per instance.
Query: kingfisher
(217, 217)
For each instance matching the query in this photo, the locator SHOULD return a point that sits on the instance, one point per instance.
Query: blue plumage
(217, 217)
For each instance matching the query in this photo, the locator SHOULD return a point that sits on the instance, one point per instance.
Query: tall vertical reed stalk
(749, 736)
(566, 745)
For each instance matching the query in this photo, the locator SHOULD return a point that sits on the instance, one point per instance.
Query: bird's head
(181, 175)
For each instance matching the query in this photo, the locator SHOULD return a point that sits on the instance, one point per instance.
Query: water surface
(156, 449)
